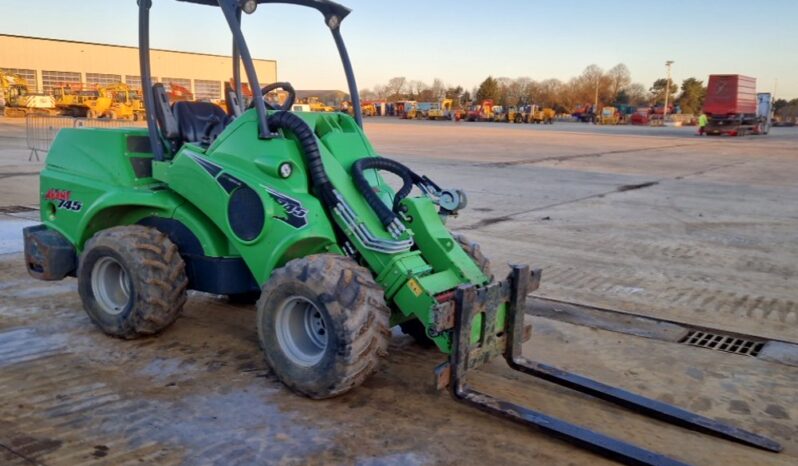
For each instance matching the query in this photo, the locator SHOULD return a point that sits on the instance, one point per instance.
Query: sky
(460, 42)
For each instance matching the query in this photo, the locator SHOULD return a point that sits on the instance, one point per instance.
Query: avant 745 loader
(290, 207)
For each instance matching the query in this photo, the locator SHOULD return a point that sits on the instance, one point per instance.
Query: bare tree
(396, 88)
(638, 95)
(526, 90)
(415, 88)
(438, 89)
(550, 93)
(367, 94)
(620, 78)
(381, 92)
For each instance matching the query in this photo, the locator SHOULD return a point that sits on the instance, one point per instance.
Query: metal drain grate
(14, 209)
(725, 343)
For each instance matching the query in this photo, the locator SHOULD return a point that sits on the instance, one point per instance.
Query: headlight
(285, 169)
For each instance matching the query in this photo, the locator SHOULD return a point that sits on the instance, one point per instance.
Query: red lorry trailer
(731, 105)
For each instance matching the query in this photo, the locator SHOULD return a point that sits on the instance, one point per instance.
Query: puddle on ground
(42, 291)
(19, 345)
(11, 234)
(162, 369)
(213, 426)
(403, 459)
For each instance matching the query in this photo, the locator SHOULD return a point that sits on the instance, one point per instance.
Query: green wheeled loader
(289, 208)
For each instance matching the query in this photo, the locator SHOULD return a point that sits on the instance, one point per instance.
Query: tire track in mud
(683, 255)
(563, 158)
(13, 174)
(61, 411)
(619, 189)
(718, 286)
(773, 315)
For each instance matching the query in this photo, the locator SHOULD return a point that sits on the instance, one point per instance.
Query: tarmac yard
(688, 234)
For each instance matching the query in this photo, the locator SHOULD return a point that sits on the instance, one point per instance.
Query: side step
(465, 356)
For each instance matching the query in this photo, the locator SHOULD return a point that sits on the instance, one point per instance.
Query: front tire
(132, 281)
(323, 325)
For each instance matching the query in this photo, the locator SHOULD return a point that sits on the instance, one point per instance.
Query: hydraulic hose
(409, 178)
(322, 185)
(307, 140)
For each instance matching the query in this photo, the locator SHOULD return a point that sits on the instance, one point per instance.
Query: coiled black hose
(322, 185)
(307, 140)
(409, 178)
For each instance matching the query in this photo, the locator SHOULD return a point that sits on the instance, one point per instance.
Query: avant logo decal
(296, 214)
(63, 199)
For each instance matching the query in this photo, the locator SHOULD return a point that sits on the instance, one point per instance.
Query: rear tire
(132, 281)
(323, 325)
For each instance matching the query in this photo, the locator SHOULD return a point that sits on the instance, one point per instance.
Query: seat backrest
(163, 113)
(199, 122)
(233, 105)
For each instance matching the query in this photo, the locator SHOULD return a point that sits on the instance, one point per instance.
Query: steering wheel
(289, 101)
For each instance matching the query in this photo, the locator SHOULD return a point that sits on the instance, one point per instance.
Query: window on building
(27, 75)
(51, 79)
(182, 82)
(134, 82)
(207, 89)
(101, 79)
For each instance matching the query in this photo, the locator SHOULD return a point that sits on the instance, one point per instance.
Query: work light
(249, 6)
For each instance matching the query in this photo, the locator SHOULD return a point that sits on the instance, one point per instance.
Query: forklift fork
(466, 355)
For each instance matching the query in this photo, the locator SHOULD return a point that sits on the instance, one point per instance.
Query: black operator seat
(199, 122)
(193, 122)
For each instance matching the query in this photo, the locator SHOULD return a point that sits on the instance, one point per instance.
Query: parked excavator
(19, 101)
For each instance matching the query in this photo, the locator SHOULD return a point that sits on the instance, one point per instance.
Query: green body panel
(94, 166)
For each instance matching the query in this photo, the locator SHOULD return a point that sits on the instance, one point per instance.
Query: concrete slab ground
(651, 221)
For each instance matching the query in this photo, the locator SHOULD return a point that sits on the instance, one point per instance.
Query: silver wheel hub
(110, 285)
(301, 331)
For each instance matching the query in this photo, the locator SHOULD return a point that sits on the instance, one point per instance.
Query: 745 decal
(74, 206)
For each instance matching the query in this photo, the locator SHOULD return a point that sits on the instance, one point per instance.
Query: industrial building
(46, 63)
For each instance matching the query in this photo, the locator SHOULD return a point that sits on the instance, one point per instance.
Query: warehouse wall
(51, 60)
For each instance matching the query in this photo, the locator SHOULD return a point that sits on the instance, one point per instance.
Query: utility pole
(667, 90)
(595, 106)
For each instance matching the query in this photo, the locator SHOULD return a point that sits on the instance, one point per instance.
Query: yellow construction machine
(507, 115)
(368, 109)
(541, 115)
(609, 116)
(18, 101)
(126, 103)
(440, 110)
(316, 105)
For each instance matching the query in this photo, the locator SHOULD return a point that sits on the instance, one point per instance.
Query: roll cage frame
(333, 13)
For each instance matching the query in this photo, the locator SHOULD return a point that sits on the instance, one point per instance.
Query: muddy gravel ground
(650, 221)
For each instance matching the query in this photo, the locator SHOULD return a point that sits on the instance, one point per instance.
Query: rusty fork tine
(472, 301)
(643, 405)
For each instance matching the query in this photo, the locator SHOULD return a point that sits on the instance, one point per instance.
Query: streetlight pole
(595, 106)
(667, 90)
